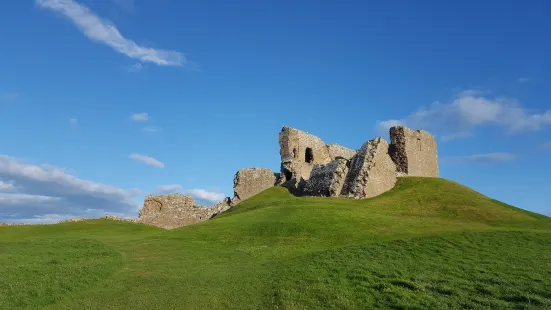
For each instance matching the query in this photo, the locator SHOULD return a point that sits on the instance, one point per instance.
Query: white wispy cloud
(139, 117)
(103, 31)
(13, 199)
(471, 109)
(41, 219)
(202, 194)
(524, 79)
(151, 129)
(148, 160)
(169, 188)
(135, 68)
(73, 121)
(546, 145)
(484, 158)
(46, 189)
(6, 186)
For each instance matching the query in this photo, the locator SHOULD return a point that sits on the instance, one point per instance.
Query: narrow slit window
(308, 155)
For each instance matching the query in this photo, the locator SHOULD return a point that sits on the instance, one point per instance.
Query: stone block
(371, 172)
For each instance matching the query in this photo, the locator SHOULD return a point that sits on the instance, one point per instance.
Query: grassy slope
(428, 243)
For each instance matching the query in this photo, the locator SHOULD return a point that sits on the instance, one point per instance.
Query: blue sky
(103, 102)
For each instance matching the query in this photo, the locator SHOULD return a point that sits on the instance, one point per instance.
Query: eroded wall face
(327, 180)
(176, 210)
(339, 151)
(300, 151)
(414, 152)
(251, 181)
(372, 171)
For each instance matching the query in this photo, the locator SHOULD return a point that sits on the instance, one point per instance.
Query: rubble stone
(327, 180)
(371, 171)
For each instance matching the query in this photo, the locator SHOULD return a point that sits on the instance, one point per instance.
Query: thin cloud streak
(139, 117)
(483, 158)
(151, 129)
(148, 160)
(135, 68)
(101, 30)
(206, 195)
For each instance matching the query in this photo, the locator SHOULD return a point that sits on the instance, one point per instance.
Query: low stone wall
(176, 210)
(248, 182)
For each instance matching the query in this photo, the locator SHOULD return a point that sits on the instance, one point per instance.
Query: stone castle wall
(327, 180)
(248, 182)
(176, 210)
(339, 151)
(372, 171)
(300, 151)
(414, 152)
(309, 167)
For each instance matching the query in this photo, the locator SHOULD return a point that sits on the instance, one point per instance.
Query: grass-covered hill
(426, 244)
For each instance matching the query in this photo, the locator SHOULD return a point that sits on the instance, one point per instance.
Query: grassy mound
(428, 243)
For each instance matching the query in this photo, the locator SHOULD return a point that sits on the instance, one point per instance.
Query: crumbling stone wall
(176, 210)
(300, 152)
(414, 152)
(339, 151)
(372, 171)
(327, 180)
(248, 182)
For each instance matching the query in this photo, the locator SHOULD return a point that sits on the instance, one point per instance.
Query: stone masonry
(414, 152)
(339, 151)
(251, 181)
(309, 167)
(300, 151)
(327, 180)
(372, 172)
(176, 210)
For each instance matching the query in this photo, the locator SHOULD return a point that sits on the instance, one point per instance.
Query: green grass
(426, 244)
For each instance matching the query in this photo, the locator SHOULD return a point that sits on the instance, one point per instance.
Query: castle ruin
(309, 167)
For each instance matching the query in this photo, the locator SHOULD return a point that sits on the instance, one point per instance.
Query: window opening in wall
(288, 175)
(419, 144)
(308, 156)
(295, 154)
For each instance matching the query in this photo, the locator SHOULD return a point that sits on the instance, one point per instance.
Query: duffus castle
(309, 167)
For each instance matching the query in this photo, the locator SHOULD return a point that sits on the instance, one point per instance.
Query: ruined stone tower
(414, 152)
(301, 152)
(309, 167)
